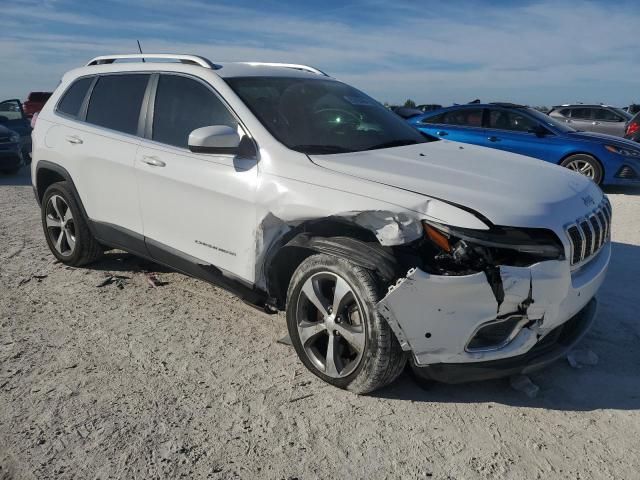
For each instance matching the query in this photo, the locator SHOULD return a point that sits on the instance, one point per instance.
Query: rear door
(200, 206)
(98, 138)
(582, 119)
(459, 125)
(608, 121)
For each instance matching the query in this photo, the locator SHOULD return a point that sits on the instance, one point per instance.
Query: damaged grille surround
(588, 234)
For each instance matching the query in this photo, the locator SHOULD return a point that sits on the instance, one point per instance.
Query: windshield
(317, 116)
(548, 121)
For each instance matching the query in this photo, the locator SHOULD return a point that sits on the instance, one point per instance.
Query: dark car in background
(11, 158)
(633, 128)
(34, 103)
(405, 112)
(633, 108)
(520, 129)
(429, 107)
(12, 116)
(593, 118)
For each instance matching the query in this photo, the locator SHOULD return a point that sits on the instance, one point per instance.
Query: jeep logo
(588, 201)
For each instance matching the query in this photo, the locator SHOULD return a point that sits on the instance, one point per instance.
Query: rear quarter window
(116, 100)
(71, 101)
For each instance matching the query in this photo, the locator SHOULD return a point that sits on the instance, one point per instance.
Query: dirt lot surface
(186, 381)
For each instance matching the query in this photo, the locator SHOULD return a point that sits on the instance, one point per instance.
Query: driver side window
(183, 105)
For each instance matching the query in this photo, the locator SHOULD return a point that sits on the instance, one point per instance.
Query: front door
(200, 206)
(512, 131)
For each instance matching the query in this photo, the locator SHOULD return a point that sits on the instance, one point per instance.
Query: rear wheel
(335, 327)
(585, 165)
(66, 229)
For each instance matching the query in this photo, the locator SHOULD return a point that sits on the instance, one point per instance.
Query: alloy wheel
(60, 225)
(582, 166)
(331, 324)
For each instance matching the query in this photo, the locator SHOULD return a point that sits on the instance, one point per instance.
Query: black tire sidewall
(367, 299)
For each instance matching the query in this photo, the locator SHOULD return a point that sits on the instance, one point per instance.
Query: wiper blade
(394, 143)
(321, 149)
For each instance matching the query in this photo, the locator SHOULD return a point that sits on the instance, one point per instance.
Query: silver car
(593, 118)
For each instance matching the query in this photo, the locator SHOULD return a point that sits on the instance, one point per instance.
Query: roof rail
(304, 68)
(187, 59)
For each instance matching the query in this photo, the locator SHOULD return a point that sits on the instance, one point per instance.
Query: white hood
(506, 188)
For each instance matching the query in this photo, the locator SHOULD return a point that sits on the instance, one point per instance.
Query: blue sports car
(606, 159)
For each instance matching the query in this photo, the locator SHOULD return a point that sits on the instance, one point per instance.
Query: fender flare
(286, 259)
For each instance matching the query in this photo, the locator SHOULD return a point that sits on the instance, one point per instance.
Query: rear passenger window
(181, 106)
(116, 100)
(71, 102)
(470, 117)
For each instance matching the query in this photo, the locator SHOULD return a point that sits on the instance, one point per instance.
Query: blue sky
(535, 52)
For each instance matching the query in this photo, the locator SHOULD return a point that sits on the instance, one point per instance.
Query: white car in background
(302, 194)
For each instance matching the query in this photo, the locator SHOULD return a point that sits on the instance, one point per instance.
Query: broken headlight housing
(461, 250)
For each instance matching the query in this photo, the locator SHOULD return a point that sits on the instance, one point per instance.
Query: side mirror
(220, 139)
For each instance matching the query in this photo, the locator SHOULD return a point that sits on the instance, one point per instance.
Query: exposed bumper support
(436, 317)
(552, 347)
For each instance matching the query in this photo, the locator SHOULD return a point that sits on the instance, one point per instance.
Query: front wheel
(585, 165)
(335, 327)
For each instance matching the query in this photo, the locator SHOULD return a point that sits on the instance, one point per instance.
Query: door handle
(74, 140)
(442, 133)
(153, 161)
(595, 123)
(493, 139)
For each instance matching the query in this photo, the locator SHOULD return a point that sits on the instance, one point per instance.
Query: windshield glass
(548, 121)
(317, 116)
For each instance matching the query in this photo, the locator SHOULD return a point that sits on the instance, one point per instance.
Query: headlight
(627, 152)
(499, 245)
(14, 138)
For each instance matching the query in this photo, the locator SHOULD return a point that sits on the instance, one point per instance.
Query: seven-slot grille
(589, 234)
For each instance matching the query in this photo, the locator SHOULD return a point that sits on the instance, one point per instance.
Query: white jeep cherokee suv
(301, 193)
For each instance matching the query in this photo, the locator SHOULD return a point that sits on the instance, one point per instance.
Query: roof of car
(222, 69)
(581, 105)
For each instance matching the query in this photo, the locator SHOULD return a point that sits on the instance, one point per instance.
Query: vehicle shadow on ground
(623, 190)
(22, 178)
(116, 261)
(614, 383)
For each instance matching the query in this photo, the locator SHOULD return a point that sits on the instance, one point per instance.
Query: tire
(367, 355)
(68, 236)
(585, 165)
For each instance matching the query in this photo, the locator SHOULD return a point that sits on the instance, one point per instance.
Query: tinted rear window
(116, 100)
(72, 100)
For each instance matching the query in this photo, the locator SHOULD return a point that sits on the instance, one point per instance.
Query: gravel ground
(186, 381)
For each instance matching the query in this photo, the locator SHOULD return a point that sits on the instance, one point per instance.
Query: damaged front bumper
(459, 320)
(552, 347)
